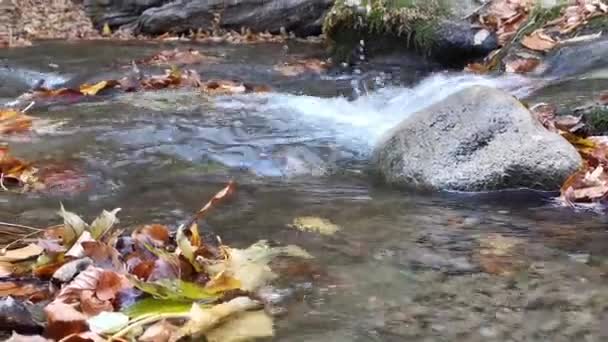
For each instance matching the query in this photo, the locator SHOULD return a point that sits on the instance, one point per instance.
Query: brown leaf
(157, 234)
(159, 332)
(13, 121)
(109, 284)
(92, 306)
(522, 65)
(538, 41)
(35, 291)
(296, 68)
(94, 89)
(24, 253)
(178, 57)
(63, 320)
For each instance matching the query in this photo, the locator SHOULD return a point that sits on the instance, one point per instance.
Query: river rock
(431, 28)
(15, 316)
(477, 139)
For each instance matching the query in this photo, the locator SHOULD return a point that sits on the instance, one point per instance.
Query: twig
(14, 225)
(5, 249)
(28, 107)
(144, 321)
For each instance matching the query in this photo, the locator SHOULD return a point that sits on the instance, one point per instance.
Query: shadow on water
(405, 266)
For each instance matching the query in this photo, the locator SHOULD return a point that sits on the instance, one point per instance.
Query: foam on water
(358, 124)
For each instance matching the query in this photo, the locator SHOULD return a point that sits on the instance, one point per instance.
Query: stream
(405, 267)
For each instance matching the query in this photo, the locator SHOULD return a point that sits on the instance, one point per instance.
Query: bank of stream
(405, 267)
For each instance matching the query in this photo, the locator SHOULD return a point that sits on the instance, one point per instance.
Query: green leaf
(154, 306)
(103, 223)
(74, 226)
(108, 322)
(175, 289)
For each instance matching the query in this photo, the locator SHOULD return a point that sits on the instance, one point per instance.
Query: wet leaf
(222, 283)
(202, 320)
(156, 234)
(244, 326)
(26, 338)
(223, 87)
(315, 224)
(159, 332)
(179, 57)
(90, 305)
(14, 121)
(156, 306)
(28, 252)
(74, 226)
(25, 290)
(70, 269)
(106, 31)
(538, 41)
(312, 66)
(77, 251)
(186, 248)
(109, 284)
(250, 266)
(63, 320)
(108, 322)
(104, 223)
(94, 89)
(174, 289)
(522, 65)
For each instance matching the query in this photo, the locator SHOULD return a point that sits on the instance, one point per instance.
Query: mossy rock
(597, 121)
(424, 27)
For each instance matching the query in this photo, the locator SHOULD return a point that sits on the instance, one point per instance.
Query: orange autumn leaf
(14, 121)
(522, 65)
(94, 89)
(538, 41)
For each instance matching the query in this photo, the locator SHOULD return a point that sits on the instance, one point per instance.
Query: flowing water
(405, 266)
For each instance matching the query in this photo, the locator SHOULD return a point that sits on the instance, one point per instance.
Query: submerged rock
(428, 27)
(15, 316)
(477, 139)
(303, 17)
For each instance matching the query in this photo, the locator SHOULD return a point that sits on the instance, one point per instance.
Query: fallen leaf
(296, 68)
(14, 121)
(108, 322)
(538, 41)
(26, 338)
(154, 306)
(74, 226)
(28, 252)
(159, 332)
(158, 234)
(174, 289)
(202, 320)
(109, 284)
(90, 305)
(244, 326)
(179, 57)
(250, 266)
(315, 225)
(103, 223)
(94, 89)
(222, 283)
(77, 251)
(522, 65)
(34, 291)
(63, 320)
(69, 270)
(106, 31)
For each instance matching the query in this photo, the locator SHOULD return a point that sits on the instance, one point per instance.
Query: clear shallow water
(405, 267)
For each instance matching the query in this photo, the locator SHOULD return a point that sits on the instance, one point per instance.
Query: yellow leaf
(222, 283)
(315, 224)
(244, 326)
(93, 89)
(106, 31)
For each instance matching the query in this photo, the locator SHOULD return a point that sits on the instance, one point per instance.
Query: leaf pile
(590, 183)
(524, 22)
(150, 286)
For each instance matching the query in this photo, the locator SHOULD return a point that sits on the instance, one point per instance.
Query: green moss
(597, 120)
(412, 21)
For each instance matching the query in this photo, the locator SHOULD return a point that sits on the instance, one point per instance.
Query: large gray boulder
(477, 139)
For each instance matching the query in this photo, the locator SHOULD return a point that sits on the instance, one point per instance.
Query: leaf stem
(147, 320)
